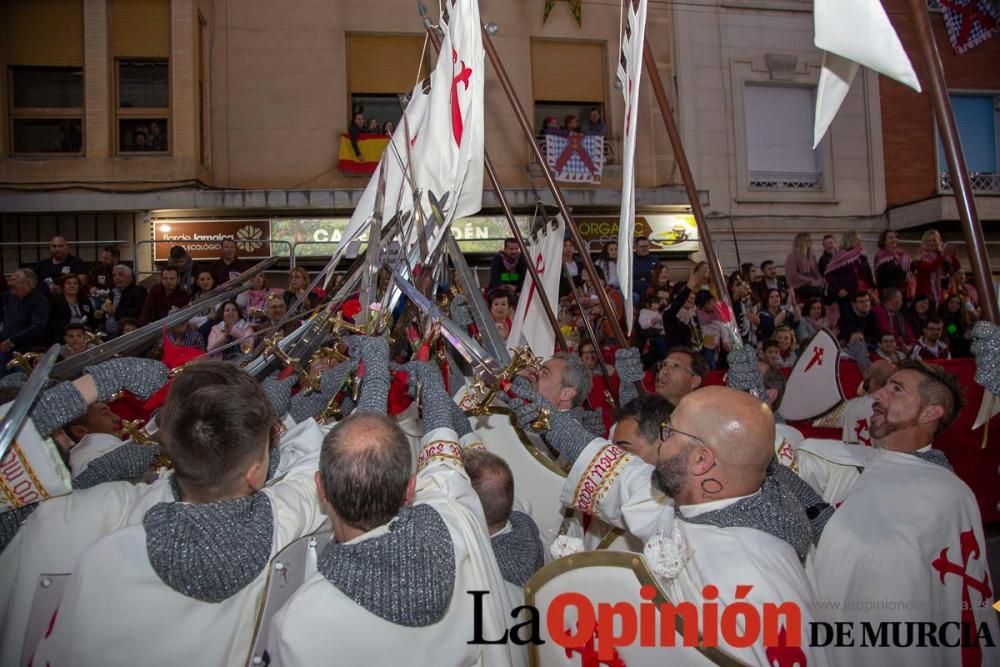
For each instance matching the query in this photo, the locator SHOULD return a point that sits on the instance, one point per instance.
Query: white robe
(320, 624)
(91, 446)
(892, 551)
(619, 487)
(114, 602)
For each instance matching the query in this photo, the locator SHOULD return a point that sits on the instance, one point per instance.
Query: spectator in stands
(934, 266)
(774, 314)
(183, 334)
(203, 322)
(930, 346)
(161, 298)
(572, 268)
(960, 286)
(802, 269)
(25, 316)
(128, 324)
(125, 301)
(770, 352)
(101, 275)
(254, 300)
(298, 286)
(355, 130)
(68, 307)
(58, 264)
(659, 278)
(204, 283)
(889, 318)
(680, 316)
(744, 311)
(892, 263)
(228, 266)
(371, 126)
(186, 270)
(888, 349)
(848, 272)
(771, 280)
(858, 318)
(918, 313)
(500, 310)
(642, 266)
(813, 319)
(231, 328)
(507, 268)
(787, 355)
(602, 327)
(957, 326)
(571, 125)
(388, 127)
(608, 261)
(74, 340)
(683, 371)
(594, 124)
(276, 311)
(829, 250)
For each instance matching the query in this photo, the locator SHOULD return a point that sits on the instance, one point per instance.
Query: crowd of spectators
(593, 125)
(362, 125)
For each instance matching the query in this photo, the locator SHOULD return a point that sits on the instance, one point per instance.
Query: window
(380, 69)
(141, 47)
(41, 62)
(977, 117)
(567, 78)
(46, 110)
(779, 133)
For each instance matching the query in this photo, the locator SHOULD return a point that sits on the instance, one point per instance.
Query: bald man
(729, 526)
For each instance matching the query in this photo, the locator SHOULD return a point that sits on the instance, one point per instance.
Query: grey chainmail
(455, 380)
(434, 399)
(11, 522)
(209, 552)
(520, 552)
(13, 380)
(593, 421)
(331, 382)
(405, 576)
(566, 434)
(858, 351)
(817, 510)
(460, 311)
(743, 373)
(279, 392)
(273, 459)
(628, 365)
(138, 376)
(459, 420)
(935, 456)
(774, 510)
(128, 463)
(986, 348)
(375, 384)
(57, 407)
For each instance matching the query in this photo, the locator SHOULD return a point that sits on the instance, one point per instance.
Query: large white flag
(629, 74)
(853, 33)
(530, 324)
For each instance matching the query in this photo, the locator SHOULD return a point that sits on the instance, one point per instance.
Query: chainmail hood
(405, 576)
(210, 551)
(935, 456)
(519, 552)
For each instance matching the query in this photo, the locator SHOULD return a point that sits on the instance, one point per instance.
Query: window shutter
(384, 64)
(42, 32)
(779, 129)
(977, 130)
(140, 28)
(567, 71)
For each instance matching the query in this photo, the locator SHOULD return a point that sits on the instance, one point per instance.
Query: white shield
(606, 578)
(288, 570)
(814, 386)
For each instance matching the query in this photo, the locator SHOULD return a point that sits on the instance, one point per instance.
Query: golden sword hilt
(133, 428)
(95, 338)
(522, 359)
(24, 360)
(272, 347)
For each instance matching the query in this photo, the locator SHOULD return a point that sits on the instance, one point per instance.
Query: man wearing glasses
(730, 525)
(683, 371)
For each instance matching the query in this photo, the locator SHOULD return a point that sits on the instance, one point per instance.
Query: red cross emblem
(861, 432)
(464, 73)
(971, 14)
(817, 358)
(540, 268)
(589, 657)
(628, 108)
(972, 655)
(574, 146)
(783, 655)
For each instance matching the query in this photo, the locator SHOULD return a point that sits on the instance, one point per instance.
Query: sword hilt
(135, 431)
(522, 359)
(24, 360)
(272, 348)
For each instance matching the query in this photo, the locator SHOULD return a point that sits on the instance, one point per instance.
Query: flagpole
(704, 233)
(509, 214)
(522, 119)
(960, 185)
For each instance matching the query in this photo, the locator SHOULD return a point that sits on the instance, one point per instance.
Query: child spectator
(74, 340)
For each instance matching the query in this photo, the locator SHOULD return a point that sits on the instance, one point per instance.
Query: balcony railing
(777, 180)
(982, 183)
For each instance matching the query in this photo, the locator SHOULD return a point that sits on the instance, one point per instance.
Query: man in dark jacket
(125, 299)
(50, 270)
(507, 267)
(228, 266)
(161, 298)
(25, 316)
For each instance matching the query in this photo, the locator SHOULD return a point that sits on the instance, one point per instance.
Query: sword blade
(492, 340)
(18, 412)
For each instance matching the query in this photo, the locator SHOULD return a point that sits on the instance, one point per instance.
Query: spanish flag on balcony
(371, 147)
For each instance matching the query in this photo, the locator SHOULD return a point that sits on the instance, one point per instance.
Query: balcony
(982, 183)
(612, 164)
(785, 181)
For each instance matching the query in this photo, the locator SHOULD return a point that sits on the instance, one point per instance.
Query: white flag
(530, 324)
(853, 33)
(629, 75)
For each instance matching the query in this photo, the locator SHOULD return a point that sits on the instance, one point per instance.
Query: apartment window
(381, 68)
(140, 37)
(779, 133)
(567, 78)
(46, 110)
(978, 119)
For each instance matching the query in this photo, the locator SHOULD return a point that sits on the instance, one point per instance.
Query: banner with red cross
(970, 22)
(577, 158)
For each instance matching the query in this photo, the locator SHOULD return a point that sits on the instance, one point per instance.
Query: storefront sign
(203, 238)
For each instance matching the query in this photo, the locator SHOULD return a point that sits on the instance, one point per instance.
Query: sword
(477, 307)
(18, 412)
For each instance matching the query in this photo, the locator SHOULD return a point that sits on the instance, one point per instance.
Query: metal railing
(983, 183)
(146, 263)
(12, 255)
(777, 180)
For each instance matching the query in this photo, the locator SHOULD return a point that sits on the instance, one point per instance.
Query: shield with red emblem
(814, 386)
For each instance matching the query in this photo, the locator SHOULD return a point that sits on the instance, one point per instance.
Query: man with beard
(730, 525)
(906, 543)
